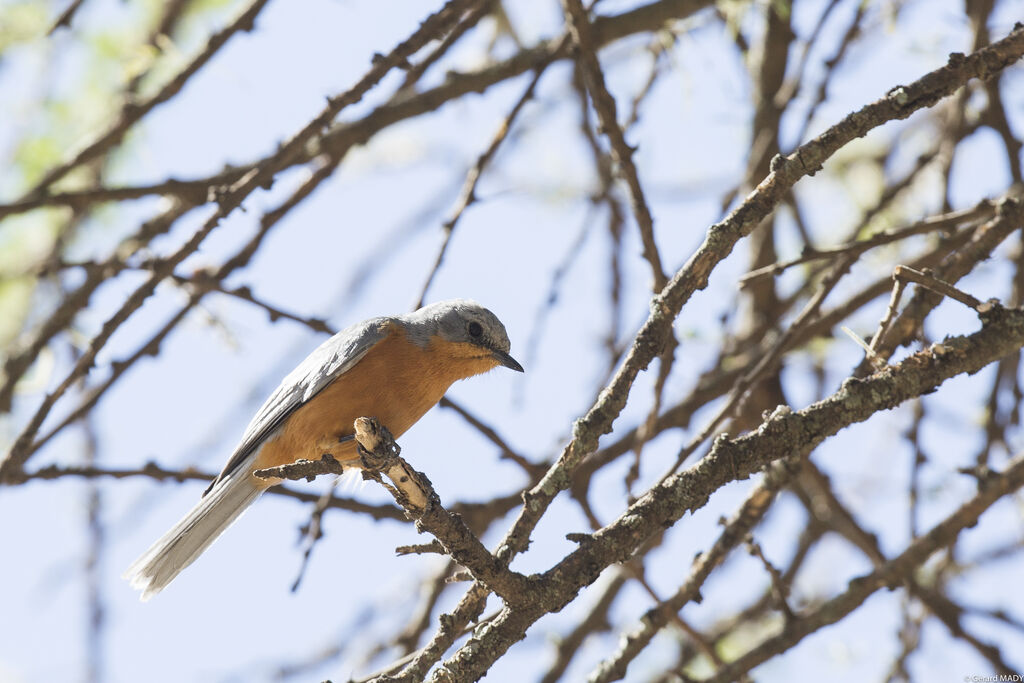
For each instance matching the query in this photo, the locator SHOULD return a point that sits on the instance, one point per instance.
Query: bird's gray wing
(329, 361)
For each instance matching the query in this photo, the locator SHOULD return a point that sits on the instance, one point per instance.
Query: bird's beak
(507, 360)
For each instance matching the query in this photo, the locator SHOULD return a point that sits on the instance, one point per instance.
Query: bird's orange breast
(397, 381)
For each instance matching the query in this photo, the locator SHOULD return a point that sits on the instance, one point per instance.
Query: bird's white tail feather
(180, 546)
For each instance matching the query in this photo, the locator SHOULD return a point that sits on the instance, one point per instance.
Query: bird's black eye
(475, 330)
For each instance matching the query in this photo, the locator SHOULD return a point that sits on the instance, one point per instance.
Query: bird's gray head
(466, 322)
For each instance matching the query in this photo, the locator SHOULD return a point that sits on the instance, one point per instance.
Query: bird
(394, 368)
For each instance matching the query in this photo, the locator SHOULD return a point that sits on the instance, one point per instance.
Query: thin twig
(467, 196)
(908, 274)
(898, 286)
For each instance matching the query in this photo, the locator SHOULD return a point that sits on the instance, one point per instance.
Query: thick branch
(785, 432)
(720, 240)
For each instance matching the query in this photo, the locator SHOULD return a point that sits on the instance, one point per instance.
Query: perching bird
(392, 368)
